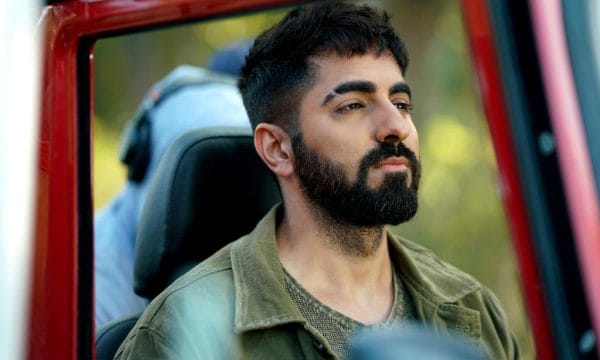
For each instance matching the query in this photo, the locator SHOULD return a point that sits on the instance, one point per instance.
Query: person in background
(186, 99)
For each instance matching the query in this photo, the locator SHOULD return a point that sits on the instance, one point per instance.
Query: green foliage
(108, 175)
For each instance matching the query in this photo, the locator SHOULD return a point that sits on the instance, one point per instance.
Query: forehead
(382, 70)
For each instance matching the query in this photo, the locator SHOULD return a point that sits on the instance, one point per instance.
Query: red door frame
(54, 307)
(483, 48)
(572, 147)
(571, 144)
(67, 26)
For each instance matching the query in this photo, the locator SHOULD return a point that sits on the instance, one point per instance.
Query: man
(326, 96)
(216, 101)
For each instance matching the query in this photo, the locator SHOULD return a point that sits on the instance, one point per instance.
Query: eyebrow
(350, 86)
(400, 87)
(365, 87)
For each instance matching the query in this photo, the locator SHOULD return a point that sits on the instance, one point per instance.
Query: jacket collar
(262, 300)
(438, 281)
(436, 287)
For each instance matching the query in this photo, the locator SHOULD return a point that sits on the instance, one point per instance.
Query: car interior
(450, 217)
(209, 189)
(472, 61)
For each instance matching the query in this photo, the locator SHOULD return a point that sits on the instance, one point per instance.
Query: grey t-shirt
(338, 328)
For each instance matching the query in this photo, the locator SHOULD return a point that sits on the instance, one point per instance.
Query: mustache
(387, 150)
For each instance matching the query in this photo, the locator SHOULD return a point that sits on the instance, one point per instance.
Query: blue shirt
(115, 226)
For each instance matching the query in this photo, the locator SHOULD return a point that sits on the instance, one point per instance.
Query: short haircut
(278, 70)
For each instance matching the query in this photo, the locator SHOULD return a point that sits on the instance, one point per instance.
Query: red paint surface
(572, 149)
(488, 73)
(53, 323)
(53, 326)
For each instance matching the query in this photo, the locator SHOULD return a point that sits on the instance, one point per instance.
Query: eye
(349, 107)
(404, 107)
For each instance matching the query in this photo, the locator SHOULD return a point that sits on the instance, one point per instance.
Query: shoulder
(206, 286)
(193, 315)
(458, 297)
(427, 271)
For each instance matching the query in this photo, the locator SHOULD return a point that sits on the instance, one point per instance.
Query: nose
(392, 125)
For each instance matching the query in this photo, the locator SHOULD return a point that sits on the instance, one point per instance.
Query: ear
(274, 147)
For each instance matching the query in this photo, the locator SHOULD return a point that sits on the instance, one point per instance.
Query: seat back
(110, 336)
(209, 189)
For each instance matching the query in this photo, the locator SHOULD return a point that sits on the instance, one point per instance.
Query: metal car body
(538, 110)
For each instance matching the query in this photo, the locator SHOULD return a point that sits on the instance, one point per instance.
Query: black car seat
(209, 189)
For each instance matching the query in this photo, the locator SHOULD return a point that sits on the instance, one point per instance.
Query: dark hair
(278, 69)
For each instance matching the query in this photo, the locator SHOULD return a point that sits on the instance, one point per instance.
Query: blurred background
(460, 217)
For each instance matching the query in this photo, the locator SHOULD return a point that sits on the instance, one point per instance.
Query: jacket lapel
(436, 288)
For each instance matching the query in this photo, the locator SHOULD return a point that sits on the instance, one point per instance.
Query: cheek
(339, 143)
(412, 142)
(343, 152)
(415, 149)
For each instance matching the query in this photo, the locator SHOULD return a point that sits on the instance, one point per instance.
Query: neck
(346, 267)
(346, 239)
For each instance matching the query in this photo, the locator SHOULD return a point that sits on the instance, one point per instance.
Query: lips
(391, 158)
(394, 163)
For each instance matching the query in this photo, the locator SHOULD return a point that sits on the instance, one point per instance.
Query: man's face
(357, 152)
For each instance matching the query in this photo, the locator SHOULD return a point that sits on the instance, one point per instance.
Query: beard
(325, 184)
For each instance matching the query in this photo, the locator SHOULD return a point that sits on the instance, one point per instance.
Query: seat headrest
(209, 188)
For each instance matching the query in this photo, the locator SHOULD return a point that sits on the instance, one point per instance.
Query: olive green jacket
(234, 305)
